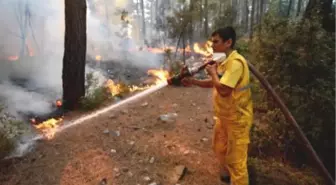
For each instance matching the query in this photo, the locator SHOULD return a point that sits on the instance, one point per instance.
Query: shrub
(9, 131)
(94, 99)
(6, 144)
(276, 173)
(297, 57)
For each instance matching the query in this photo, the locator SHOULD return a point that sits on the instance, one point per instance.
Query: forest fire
(13, 58)
(98, 58)
(113, 88)
(49, 127)
(116, 89)
(171, 48)
(205, 51)
(48, 124)
(161, 75)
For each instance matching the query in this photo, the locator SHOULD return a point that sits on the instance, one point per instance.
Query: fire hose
(176, 80)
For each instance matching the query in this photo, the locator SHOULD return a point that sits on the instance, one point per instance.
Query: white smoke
(30, 84)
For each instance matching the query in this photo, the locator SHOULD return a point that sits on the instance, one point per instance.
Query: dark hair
(226, 34)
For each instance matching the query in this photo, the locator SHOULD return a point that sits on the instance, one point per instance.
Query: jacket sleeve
(232, 74)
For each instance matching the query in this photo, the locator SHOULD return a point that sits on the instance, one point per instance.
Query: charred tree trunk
(74, 53)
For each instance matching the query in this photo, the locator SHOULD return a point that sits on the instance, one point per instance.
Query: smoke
(32, 46)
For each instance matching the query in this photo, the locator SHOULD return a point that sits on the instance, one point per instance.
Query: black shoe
(225, 177)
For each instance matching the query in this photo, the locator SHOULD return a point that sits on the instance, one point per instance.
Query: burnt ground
(147, 150)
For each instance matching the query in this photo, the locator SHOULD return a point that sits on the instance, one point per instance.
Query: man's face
(218, 45)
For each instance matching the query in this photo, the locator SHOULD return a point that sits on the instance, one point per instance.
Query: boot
(225, 176)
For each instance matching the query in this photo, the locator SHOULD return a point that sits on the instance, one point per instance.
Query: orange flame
(156, 50)
(30, 49)
(161, 75)
(205, 51)
(113, 88)
(98, 58)
(13, 58)
(172, 48)
(59, 103)
(49, 127)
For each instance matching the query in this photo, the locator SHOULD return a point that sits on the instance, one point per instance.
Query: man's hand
(211, 69)
(187, 81)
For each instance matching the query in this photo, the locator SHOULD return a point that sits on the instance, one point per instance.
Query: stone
(116, 169)
(178, 173)
(147, 179)
(130, 174)
(124, 169)
(125, 111)
(116, 133)
(152, 159)
(112, 116)
(103, 182)
(106, 131)
(170, 117)
(144, 104)
(205, 139)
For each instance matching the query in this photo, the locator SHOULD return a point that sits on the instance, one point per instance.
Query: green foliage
(297, 57)
(10, 130)
(6, 144)
(94, 99)
(175, 67)
(242, 46)
(91, 82)
(276, 173)
(94, 95)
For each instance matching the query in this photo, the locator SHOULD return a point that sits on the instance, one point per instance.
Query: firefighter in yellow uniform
(232, 107)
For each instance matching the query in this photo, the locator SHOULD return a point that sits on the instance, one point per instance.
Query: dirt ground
(147, 150)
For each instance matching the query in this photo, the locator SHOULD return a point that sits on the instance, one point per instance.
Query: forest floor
(138, 144)
(131, 145)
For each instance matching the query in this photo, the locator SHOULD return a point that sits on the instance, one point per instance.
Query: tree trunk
(322, 8)
(261, 10)
(252, 19)
(143, 19)
(234, 12)
(74, 53)
(289, 7)
(190, 34)
(246, 15)
(299, 8)
(201, 19)
(206, 18)
(157, 13)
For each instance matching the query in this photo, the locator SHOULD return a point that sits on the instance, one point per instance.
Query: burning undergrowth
(99, 89)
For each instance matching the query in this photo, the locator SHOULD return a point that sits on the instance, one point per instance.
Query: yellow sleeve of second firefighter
(232, 74)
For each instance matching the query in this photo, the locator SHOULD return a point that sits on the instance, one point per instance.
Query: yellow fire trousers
(232, 156)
